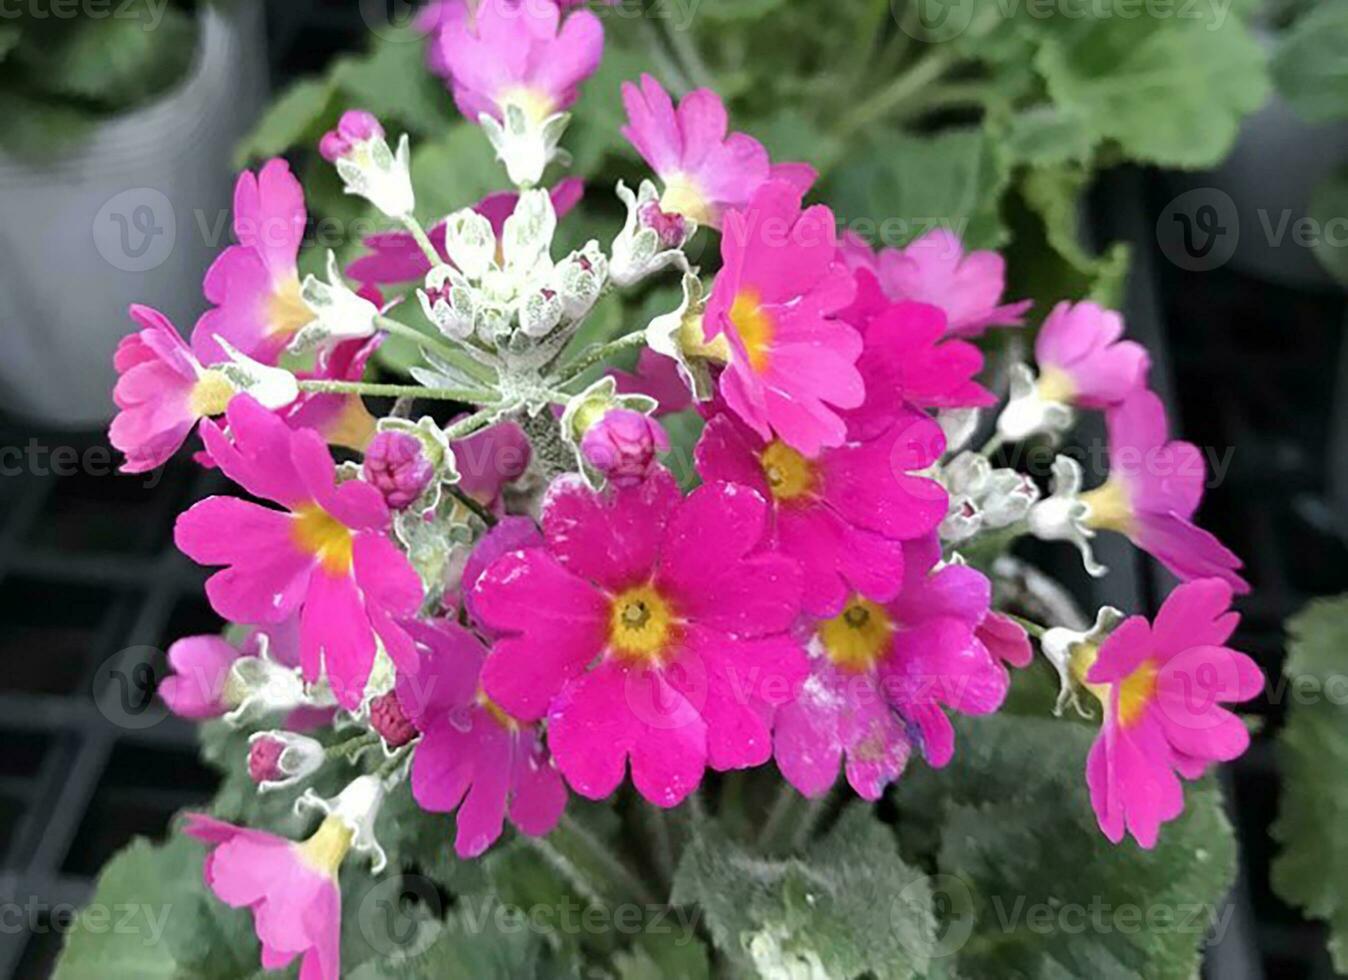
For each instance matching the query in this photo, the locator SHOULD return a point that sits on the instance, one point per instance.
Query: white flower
(470, 243)
(523, 142)
(678, 335)
(273, 387)
(959, 425)
(300, 757)
(1029, 412)
(448, 302)
(640, 248)
(579, 279)
(539, 311)
(1072, 652)
(258, 686)
(1007, 497)
(1062, 516)
(356, 807)
(384, 178)
(339, 314)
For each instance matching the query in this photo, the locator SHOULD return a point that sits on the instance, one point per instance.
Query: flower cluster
(521, 600)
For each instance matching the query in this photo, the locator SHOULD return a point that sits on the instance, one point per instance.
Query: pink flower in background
(354, 128)
(162, 392)
(254, 286)
(326, 555)
(649, 628)
(200, 667)
(1083, 362)
(395, 256)
(882, 673)
(658, 377)
(1162, 686)
(844, 515)
(490, 460)
(1005, 639)
(342, 420)
(792, 364)
(623, 446)
(518, 52)
(907, 361)
(935, 268)
(704, 171)
(1155, 485)
(291, 889)
(473, 757)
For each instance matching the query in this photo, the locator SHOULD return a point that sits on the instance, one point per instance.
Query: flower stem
(786, 808)
(395, 391)
(423, 240)
(427, 342)
(1031, 627)
(591, 865)
(599, 352)
(351, 745)
(484, 515)
(685, 49)
(469, 424)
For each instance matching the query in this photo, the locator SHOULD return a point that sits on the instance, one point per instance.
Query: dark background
(88, 577)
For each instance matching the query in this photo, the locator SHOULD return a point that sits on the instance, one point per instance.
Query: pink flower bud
(264, 760)
(396, 464)
(279, 758)
(390, 721)
(355, 126)
(622, 445)
(669, 227)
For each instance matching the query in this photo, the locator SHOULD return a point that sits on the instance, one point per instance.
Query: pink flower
(200, 669)
(354, 128)
(844, 515)
(255, 285)
(162, 392)
(934, 268)
(705, 172)
(1161, 687)
(792, 364)
(342, 420)
(290, 888)
(649, 628)
(490, 460)
(1154, 486)
(511, 533)
(882, 675)
(520, 53)
(396, 465)
(326, 554)
(396, 257)
(473, 757)
(622, 445)
(1083, 362)
(1005, 639)
(658, 377)
(906, 360)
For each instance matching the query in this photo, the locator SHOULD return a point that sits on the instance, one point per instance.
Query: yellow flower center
(641, 624)
(1110, 507)
(326, 849)
(536, 104)
(287, 314)
(682, 196)
(210, 395)
(789, 474)
(755, 327)
(1056, 385)
(858, 636)
(1135, 691)
(497, 713)
(320, 534)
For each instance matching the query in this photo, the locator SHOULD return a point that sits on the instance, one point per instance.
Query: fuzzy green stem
(395, 391)
(776, 833)
(469, 424)
(573, 849)
(1031, 627)
(662, 845)
(923, 72)
(992, 445)
(685, 49)
(391, 764)
(591, 356)
(427, 342)
(423, 240)
(351, 745)
(482, 513)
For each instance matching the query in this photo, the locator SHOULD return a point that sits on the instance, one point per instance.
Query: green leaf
(1312, 870)
(1328, 207)
(454, 171)
(1048, 134)
(1310, 67)
(789, 134)
(393, 83)
(597, 117)
(901, 185)
(9, 38)
(1169, 91)
(731, 11)
(300, 115)
(151, 917)
(659, 956)
(848, 906)
(1028, 884)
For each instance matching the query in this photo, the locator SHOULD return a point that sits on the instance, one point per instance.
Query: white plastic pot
(133, 215)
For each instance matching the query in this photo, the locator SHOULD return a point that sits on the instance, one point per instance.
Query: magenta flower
(254, 286)
(513, 533)
(395, 256)
(792, 365)
(354, 128)
(881, 676)
(1155, 484)
(907, 362)
(490, 460)
(1083, 362)
(844, 515)
(200, 668)
(162, 392)
(1005, 639)
(397, 466)
(326, 554)
(1162, 686)
(649, 628)
(518, 53)
(705, 172)
(935, 268)
(622, 445)
(290, 888)
(656, 376)
(342, 420)
(473, 757)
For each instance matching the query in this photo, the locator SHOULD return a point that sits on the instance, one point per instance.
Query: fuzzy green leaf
(392, 82)
(300, 115)
(1310, 67)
